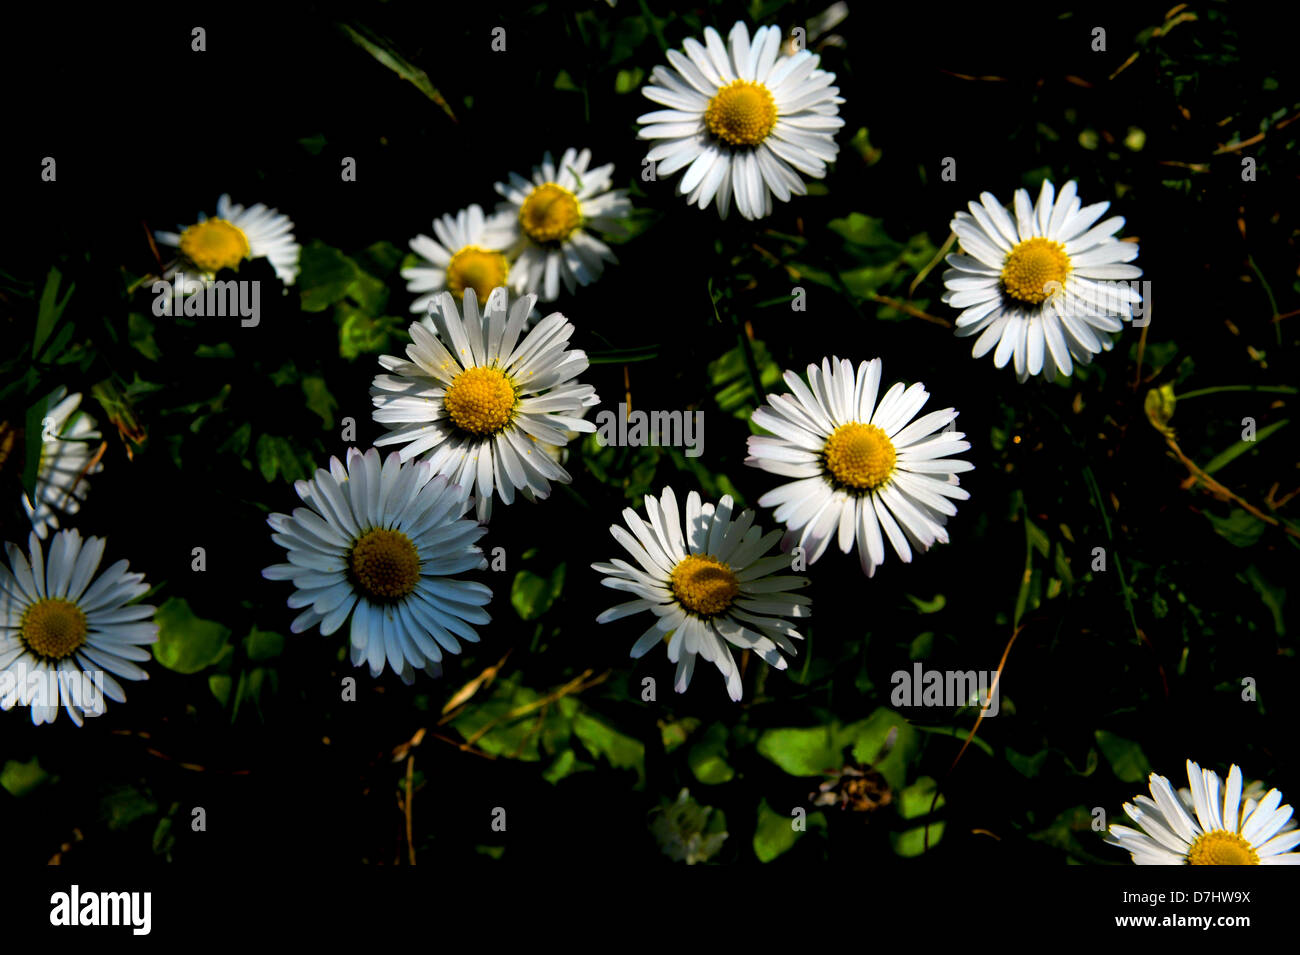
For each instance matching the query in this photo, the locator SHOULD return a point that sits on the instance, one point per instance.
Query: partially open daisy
(554, 216)
(378, 543)
(480, 402)
(1045, 288)
(713, 584)
(470, 252)
(67, 635)
(744, 119)
(233, 236)
(70, 450)
(1211, 825)
(861, 465)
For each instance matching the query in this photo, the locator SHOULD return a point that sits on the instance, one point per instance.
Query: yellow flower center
(214, 245)
(1030, 268)
(742, 113)
(550, 213)
(703, 585)
(53, 628)
(859, 456)
(385, 565)
(478, 269)
(1221, 847)
(480, 400)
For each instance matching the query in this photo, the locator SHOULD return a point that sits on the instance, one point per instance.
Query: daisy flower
(61, 628)
(68, 454)
(861, 465)
(234, 235)
(1043, 287)
(551, 217)
(476, 399)
(1209, 824)
(468, 253)
(378, 543)
(710, 585)
(742, 120)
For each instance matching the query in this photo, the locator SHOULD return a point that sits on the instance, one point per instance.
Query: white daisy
(234, 235)
(1212, 827)
(69, 451)
(1045, 288)
(551, 218)
(707, 587)
(378, 543)
(468, 253)
(60, 631)
(860, 464)
(744, 119)
(476, 400)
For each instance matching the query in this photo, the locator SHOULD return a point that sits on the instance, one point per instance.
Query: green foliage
(187, 643)
(1125, 555)
(19, 779)
(687, 831)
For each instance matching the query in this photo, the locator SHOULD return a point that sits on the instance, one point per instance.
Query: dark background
(146, 131)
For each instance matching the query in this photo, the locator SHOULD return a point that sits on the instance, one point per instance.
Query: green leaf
(929, 606)
(532, 595)
(688, 832)
(249, 689)
(872, 736)
(139, 332)
(33, 438)
(382, 51)
(863, 230)
(380, 258)
(1240, 528)
(774, 834)
(1241, 447)
(263, 644)
(361, 334)
(628, 81)
(324, 277)
(220, 684)
(707, 757)
(566, 764)
(1028, 766)
(516, 738)
(867, 281)
(21, 778)
(733, 389)
(813, 751)
(276, 454)
(186, 643)
(319, 398)
(124, 805)
(914, 803)
(370, 293)
(601, 739)
(1273, 596)
(49, 311)
(676, 733)
(1125, 757)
